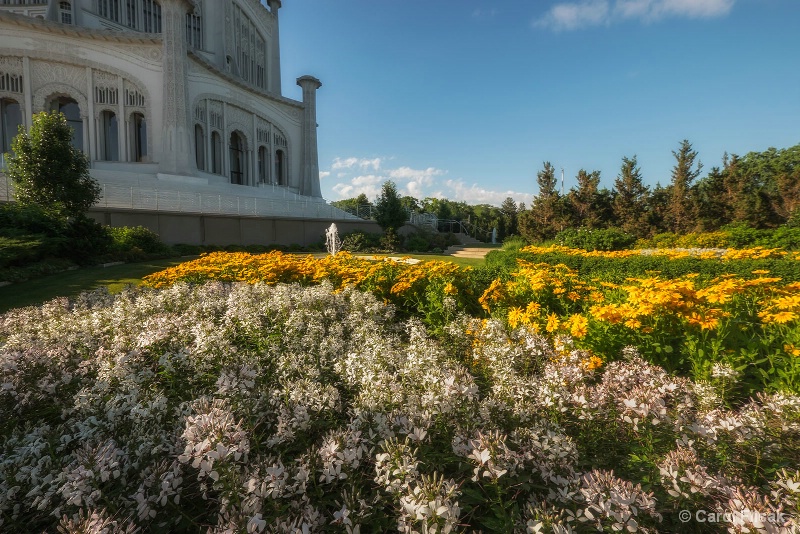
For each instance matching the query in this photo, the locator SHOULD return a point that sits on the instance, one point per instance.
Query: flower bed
(234, 407)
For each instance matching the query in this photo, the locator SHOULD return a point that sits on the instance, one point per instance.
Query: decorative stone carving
(215, 115)
(235, 114)
(45, 72)
(134, 96)
(266, 20)
(11, 65)
(175, 154)
(47, 91)
(11, 72)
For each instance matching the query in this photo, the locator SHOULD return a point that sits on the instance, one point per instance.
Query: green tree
(389, 211)
(359, 206)
(549, 213)
(589, 204)
(48, 171)
(508, 210)
(631, 197)
(681, 213)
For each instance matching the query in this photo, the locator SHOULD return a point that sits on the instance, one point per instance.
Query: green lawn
(71, 283)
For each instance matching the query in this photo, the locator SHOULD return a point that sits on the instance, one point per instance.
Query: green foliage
(127, 238)
(359, 206)
(48, 171)
(87, 240)
(426, 241)
(630, 203)
(604, 239)
(361, 242)
(390, 213)
(514, 242)
(617, 270)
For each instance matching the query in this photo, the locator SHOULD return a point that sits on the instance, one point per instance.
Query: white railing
(204, 203)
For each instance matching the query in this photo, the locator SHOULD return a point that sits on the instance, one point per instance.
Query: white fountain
(332, 241)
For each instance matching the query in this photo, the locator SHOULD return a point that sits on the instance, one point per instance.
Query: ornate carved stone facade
(156, 93)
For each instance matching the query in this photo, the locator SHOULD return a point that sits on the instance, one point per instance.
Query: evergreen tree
(631, 199)
(389, 211)
(48, 171)
(549, 214)
(508, 210)
(586, 201)
(681, 213)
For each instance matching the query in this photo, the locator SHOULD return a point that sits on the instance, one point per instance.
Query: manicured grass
(116, 278)
(71, 283)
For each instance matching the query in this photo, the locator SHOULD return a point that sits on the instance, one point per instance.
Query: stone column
(27, 118)
(274, 84)
(175, 154)
(90, 120)
(309, 175)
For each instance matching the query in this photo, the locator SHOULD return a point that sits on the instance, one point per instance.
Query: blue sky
(465, 99)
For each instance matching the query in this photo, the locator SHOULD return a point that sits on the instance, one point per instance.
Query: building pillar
(175, 154)
(309, 172)
(90, 121)
(274, 83)
(27, 93)
(122, 123)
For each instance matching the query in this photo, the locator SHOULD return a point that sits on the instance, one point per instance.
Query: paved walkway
(468, 252)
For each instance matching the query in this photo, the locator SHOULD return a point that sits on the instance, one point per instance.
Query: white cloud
(324, 174)
(484, 13)
(650, 10)
(475, 194)
(418, 183)
(574, 15)
(369, 179)
(415, 175)
(362, 163)
(571, 16)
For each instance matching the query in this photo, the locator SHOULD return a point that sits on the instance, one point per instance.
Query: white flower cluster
(250, 408)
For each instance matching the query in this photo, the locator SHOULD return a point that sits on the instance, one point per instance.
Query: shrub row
(619, 269)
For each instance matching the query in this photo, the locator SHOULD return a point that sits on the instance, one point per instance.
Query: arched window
(151, 16)
(72, 111)
(263, 165)
(194, 29)
(138, 137)
(65, 8)
(237, 160)
(199, 147)
(216, 153)
(280, 167)
(249, 60)
(10, 119)
(108, 137)
(109, 9)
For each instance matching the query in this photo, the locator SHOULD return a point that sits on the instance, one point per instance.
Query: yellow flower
(552, 323)
(578, 325)
(783, 317)
(492, 294)
(516, 317)
(591, 363)
(791, 349)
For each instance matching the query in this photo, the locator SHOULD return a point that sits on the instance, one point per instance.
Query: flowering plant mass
(280, 393)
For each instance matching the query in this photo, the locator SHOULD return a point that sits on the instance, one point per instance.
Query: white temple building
(175, 102)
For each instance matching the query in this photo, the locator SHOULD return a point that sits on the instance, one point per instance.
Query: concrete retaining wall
(193, 229)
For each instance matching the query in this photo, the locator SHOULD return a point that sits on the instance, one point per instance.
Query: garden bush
(599, 239)
(361, 242)
(126, 238)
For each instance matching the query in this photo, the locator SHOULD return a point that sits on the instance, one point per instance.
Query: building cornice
(205, 63)
(58, 28)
